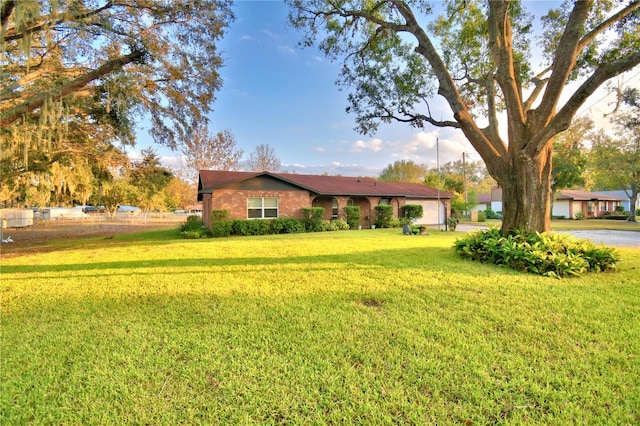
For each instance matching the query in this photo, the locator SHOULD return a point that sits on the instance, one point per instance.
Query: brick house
(264, 195)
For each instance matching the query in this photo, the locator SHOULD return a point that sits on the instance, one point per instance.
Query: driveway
(598, 236)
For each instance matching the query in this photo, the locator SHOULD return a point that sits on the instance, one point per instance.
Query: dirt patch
(38, 238)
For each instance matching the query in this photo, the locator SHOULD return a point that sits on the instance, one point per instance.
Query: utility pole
(464, 179)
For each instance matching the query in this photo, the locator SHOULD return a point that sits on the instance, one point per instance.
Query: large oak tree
(398, 55)
(76, 74)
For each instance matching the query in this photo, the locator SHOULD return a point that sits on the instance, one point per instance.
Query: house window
(350, 202)
(262, 207)
(385, 201)
(334, 208)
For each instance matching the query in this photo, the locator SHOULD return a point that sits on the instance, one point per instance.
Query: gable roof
(210, 180)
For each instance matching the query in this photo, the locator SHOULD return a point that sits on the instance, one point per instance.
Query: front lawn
(351, 327)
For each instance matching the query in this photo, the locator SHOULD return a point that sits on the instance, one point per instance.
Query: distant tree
(180, 193)
(263, 159)
(120, 192)
(570, 156)
(404, 171)
(204, 151)
(616, 161)
(151, 178)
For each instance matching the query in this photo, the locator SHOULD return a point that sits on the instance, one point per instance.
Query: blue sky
(278, 93)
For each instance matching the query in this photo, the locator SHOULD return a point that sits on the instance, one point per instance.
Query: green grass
(356, 327)
(568, 225)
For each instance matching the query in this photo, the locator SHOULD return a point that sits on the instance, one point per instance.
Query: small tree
(384, 215)
(412, 212)
(313, 218)
(353, 216)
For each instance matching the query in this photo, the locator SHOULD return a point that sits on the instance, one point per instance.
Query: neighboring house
(567, 203)
(484, 202)
(570, 202)
(265, 195)
(624, 195)
(491, 201)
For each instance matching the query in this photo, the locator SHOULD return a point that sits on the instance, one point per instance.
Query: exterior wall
(432, 210)
(576, 207)
(290, 203)
(562, 208)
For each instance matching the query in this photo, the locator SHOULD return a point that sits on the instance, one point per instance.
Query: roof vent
(359, 180)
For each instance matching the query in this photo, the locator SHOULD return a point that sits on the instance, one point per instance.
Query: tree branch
(12, 114)
(501, 47)
(6, 9)
(564, 62)
(562, 119)
(56, 19)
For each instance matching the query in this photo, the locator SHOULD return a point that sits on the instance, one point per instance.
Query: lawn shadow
(435, 258)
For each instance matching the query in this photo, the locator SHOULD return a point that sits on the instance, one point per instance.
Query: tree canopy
(477, 55)
(72, 70)
(77, 75)
(404, 171)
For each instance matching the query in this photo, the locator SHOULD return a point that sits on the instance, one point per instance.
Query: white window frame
(262, 208)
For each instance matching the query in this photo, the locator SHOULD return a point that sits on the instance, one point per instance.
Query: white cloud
(288, 50)
(319, 149)
(374, 145)
(246, 37)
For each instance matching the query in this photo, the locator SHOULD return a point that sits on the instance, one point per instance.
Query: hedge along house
(265, 195)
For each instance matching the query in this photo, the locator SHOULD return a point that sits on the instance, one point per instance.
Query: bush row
(222, 227)
(548, 254)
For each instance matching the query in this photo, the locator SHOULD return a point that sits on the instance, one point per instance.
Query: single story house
(265, 195)
(625, 196)
(569, 202)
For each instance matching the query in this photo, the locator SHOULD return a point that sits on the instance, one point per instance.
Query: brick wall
(290, 203)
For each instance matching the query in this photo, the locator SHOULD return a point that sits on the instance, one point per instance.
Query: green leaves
(548, 254)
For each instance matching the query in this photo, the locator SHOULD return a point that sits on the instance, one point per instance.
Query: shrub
(580, 216)
(548, 254)
(194, 228)
(384, 214)
(313, 218)
(219, 215)
(396, 223)
(482, 217)
(452, 223)
(353, 216)
(334, 225)
(490, 214)
(411, 212)
(287, 225)
(251, 227)
(221, 228)
(619, 209)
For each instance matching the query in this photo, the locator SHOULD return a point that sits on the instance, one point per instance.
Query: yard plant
(549, 254)
(369, 327)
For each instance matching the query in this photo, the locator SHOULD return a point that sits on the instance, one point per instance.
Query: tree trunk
(632, 206)
(526, 192)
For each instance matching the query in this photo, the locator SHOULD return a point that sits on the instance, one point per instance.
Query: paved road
(598, 236)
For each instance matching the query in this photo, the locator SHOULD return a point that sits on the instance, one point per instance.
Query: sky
(278, 93)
